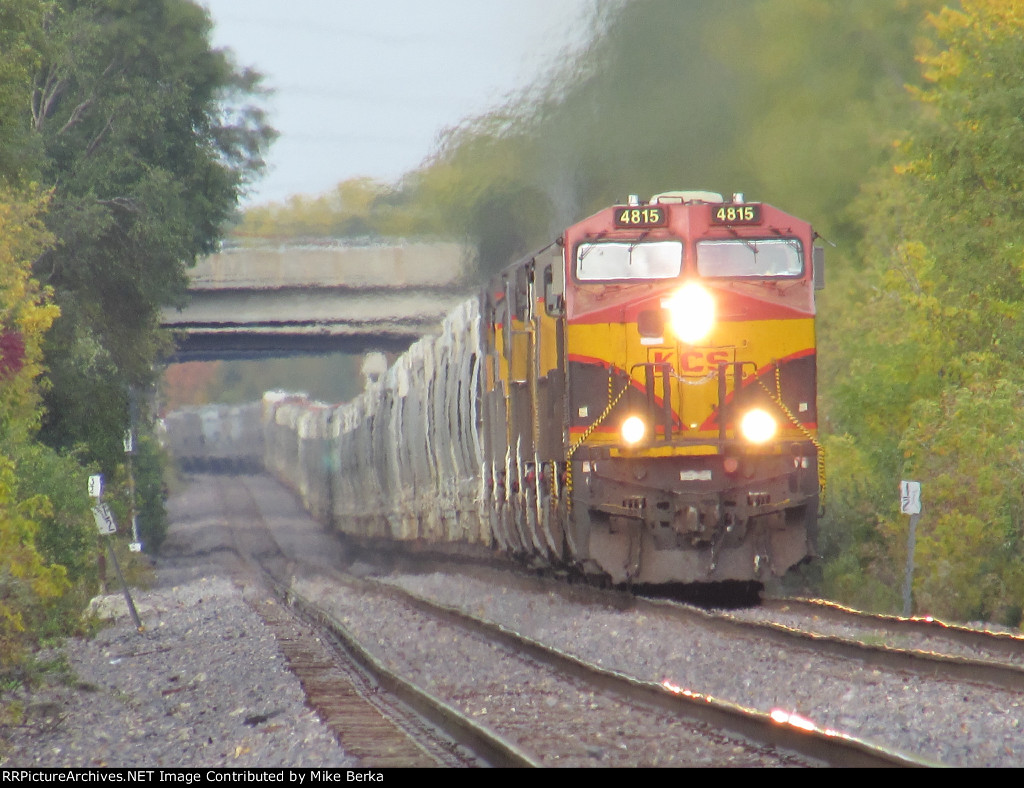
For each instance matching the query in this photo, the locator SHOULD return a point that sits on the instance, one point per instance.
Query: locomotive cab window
(750, 257)
(600, 262)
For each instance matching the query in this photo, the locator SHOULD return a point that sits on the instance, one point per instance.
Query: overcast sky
(364, 87)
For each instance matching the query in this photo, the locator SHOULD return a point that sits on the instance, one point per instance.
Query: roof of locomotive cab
(689, 217)
(689, 211)
(598, 225)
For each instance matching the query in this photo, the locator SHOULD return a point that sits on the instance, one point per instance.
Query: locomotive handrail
(777, 399)
(612, 402)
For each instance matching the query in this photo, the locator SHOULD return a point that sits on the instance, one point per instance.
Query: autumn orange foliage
(188, 383)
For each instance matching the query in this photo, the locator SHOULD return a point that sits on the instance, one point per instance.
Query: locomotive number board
(644, 216)
(735, 214)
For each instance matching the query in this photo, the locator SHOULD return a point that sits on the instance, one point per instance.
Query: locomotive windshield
(743, 257)
(598, 262)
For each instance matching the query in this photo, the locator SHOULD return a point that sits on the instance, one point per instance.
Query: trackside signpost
(106, 525)
(910, 503)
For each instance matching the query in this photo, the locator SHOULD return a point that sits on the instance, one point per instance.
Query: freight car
(636, 402)
(215, 438)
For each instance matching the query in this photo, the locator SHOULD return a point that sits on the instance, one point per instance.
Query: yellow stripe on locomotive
(757, 346)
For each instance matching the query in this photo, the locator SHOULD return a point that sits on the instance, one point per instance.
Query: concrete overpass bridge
(318, 298)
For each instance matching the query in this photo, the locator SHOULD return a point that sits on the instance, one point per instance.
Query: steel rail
(481, 744)
(921, 663)
(785, 731)
(1007, 644)
(488, 746)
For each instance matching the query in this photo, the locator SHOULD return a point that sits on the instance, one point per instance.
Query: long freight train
(215, 438)
(636, 402)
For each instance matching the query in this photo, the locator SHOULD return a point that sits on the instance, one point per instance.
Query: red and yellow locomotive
(635, 402)
(648, 394)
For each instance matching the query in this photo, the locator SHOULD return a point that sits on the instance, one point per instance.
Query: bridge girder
(291, 300)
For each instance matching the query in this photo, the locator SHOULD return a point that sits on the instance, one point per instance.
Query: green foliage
(757, 96)
(356, 208)
(968, 444)
(146, 137)
(28, 585)
(963, 171)
(150, 139)
(21, 42)
(856, 566)
(46, 530)
(67, 535)
(87, 404)
(935, 387)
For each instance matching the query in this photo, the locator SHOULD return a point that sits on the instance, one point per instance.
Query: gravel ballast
(206, 684)
(203, 685)
(946, 721)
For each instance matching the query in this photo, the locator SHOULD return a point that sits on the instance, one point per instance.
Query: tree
(30, 582)
(21, 44)
(25, 316)
(44, 536)
(944, 297)
(149, 140)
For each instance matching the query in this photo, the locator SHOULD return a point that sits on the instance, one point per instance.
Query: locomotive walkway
(315, 298)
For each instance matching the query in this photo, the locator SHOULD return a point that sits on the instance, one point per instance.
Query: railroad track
(782, 732)
(879, 641)
(372, 727)
(927, 711)
(376, 716)
(921, 646)
(948, 709)
(346, 708)
(559, 711)
(916, 633)
(613, 719)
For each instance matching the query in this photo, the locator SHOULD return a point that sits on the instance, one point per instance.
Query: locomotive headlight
(692, 312)
(633, 430)
(758, 426)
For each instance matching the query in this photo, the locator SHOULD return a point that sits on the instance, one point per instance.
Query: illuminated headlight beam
(633, 430)
(692, 313)
(758, 426)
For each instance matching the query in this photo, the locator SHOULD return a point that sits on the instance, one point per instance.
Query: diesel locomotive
(635, 402)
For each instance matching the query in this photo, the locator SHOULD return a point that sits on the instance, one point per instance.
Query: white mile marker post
(106, 525)
(910, 503)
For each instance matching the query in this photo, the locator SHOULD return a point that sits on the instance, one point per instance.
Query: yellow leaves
(25, 307)
(943, 66)
(1001, 17)
(355, 207)
(908, 168)
(27, 583)
(357, 195)
(967, 31)
(949, 63)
